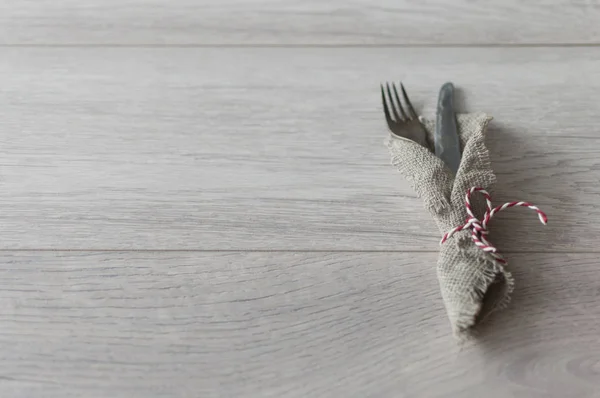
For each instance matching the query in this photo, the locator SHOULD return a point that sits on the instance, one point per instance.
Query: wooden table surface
(196, 199)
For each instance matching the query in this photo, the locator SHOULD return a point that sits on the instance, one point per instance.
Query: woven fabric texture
(473, 284)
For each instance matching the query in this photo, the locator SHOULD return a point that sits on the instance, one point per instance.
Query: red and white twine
(479, 228)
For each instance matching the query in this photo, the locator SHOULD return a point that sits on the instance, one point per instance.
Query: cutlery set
(454, 177)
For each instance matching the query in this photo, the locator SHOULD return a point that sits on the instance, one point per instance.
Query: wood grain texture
(160, 125)
(284, 22)
(286, 325)
(280, 149)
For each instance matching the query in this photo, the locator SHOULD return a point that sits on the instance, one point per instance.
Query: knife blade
(446, 141)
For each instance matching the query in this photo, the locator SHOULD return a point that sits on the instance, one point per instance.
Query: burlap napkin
(473, 284)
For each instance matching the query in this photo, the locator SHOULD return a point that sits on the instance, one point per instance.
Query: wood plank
(280, 149)
(252, 22)
(286, 325)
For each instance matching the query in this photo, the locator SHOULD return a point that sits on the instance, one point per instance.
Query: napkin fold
(473, 283)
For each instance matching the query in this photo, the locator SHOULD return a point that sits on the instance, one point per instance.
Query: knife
(446, 141)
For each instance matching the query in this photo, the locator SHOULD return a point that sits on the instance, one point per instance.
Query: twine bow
(479, 227)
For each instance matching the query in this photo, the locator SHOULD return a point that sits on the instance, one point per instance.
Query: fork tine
(388, 118)
(410, 107)
(404, 116)
(390, 98)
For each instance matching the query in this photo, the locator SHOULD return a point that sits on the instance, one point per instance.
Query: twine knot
(479, 228)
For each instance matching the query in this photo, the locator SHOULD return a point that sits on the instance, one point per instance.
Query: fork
(403, 124)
